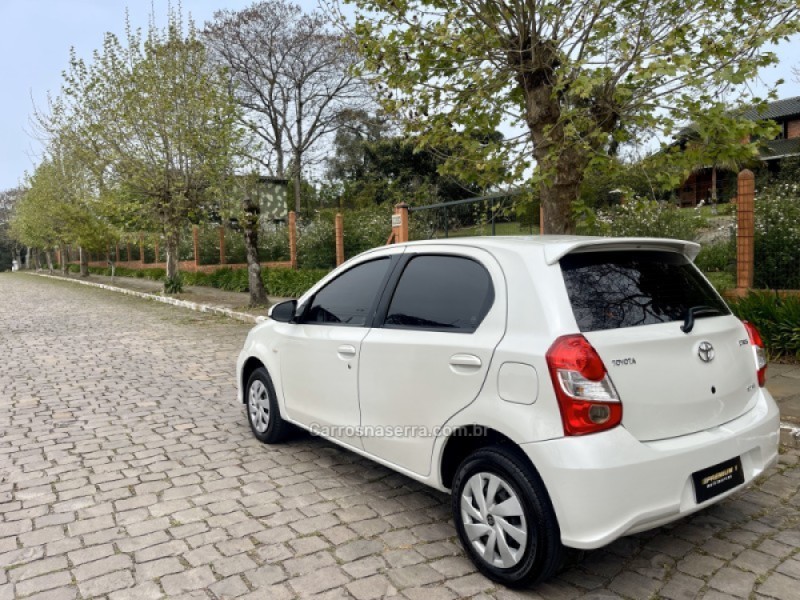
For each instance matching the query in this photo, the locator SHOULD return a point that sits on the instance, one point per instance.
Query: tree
(10, 248)
(292, 75)
(155, 121)
(583, 77)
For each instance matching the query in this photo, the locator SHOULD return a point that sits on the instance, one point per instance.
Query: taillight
(586, 396)
(759, 351)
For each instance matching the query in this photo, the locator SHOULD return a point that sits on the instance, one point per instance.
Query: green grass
(721, 280)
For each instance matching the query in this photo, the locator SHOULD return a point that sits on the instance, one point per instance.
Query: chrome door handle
(465, 360)
(346, 351)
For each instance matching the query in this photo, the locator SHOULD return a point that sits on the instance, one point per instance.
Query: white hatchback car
(566, 390)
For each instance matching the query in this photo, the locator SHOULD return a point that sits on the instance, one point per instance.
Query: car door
(319, 354)
(429, 352)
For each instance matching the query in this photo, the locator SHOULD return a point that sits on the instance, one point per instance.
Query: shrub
(288, 283)
(719, 257)
(641, 218)
(777, 319)
(173, 285)
(777, 237)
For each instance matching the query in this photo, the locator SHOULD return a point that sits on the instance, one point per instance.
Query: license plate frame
(717, 479)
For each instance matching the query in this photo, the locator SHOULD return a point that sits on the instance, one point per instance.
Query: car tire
(505, 519)
(262, 410)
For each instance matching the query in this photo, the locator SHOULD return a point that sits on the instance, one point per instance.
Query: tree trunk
(258, 293)
(560, 188)
(49, 256)
(172, 243)
(64, 261)
(84, 260)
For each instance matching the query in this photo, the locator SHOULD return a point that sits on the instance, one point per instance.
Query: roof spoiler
(555, 252)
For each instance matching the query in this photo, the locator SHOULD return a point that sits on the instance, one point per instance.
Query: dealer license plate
(718, 479)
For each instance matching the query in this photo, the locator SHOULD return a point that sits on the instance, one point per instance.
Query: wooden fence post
(293, 239)
(541, 218)
(400, 225)
(196, 244)
(745, 232)
(339, 231)
(222, 244)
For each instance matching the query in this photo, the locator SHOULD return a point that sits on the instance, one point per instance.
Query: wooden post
(400, 223)
(196, 244)
(745, 231)
(141, 247)
(339, 231)
(293, 238)
(541, 219)
(222, 244)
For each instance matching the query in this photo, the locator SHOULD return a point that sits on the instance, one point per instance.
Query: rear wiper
(696, 311)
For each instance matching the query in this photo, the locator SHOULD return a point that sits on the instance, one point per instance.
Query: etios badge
(705, 351)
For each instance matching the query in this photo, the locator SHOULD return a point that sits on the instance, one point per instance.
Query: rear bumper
(607, 485)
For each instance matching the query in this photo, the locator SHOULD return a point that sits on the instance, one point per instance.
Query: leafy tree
(10, 249)
(292, 75)
(372, 165)
(156, 123)
(581, 77)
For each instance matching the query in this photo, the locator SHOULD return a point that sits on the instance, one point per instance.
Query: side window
(441, 293)
(347, 300)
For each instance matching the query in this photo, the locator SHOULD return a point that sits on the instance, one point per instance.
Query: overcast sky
(36, 35)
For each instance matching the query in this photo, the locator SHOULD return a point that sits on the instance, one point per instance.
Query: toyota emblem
(706, 352)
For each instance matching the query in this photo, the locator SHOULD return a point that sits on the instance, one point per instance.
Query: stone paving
(127, 471)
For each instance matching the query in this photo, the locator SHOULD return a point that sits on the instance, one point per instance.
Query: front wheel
(263, 414)
(504, 518)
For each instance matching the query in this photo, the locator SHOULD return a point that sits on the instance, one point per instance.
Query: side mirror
(283, 311)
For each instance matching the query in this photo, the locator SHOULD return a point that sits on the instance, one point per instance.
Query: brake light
(586, 396)
(759, 352)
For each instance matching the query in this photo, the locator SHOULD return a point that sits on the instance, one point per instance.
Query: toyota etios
(565, 390)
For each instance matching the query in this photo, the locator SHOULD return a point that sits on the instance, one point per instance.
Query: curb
(195, 306)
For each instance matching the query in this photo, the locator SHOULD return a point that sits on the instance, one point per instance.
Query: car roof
(554, 247)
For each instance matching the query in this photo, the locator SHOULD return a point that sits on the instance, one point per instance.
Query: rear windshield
(615, 289)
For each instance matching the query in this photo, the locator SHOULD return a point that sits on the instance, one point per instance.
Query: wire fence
(507, 213)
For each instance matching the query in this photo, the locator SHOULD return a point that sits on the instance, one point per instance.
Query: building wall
(793, 129)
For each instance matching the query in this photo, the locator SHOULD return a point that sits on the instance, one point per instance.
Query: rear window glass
(615, 289)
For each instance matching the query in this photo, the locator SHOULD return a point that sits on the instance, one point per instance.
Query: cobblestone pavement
(127, 471)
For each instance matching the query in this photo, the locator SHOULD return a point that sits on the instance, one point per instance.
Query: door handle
(468, 361)
(346, 351)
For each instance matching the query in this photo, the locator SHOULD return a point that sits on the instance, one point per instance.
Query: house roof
(780, 109)
(776, 149)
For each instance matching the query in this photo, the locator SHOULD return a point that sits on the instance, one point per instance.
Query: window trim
(391, 287)
(393, 259)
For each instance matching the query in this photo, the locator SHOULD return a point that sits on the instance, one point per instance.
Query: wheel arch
(466, 439)
(250, 365)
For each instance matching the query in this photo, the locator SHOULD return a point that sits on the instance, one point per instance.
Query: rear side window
(441, 293)
(615, 289)
(348, 299)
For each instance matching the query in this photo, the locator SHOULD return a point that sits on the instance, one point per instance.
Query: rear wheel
(504, 518)
(263, 415)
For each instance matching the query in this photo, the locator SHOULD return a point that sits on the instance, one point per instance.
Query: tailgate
(666, 385)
